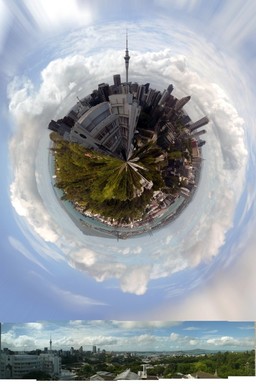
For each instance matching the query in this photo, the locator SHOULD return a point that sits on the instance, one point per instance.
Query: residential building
(98, 129)
(15, 366)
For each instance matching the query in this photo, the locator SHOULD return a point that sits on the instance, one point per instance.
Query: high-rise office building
(180, 103)
(94, 349)
(164, 97)
(103, 90)
(170, 88)
(150, 97)
(156, 99)
(140, 93)
(117, 80)
(199, 123)
(197, 134)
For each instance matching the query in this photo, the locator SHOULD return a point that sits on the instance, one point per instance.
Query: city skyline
(121, 336)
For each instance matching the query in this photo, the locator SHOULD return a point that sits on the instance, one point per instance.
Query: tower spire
(126, 58)
(50, 344)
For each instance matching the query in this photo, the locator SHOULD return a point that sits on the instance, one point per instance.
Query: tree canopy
(108, 185)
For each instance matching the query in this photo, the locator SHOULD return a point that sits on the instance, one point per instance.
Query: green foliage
(224, 363)
(174, 155)
(105, 184)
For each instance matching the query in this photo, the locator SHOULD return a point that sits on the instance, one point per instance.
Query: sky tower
(126, 58)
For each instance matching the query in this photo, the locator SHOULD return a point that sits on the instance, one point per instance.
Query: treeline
(223, 364)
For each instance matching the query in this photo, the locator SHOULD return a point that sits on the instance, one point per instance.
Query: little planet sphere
(126, 158)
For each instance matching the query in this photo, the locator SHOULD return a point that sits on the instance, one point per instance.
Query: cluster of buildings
(107, 121)
(16, 365)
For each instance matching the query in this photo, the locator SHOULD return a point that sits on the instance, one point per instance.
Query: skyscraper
(103, 90)
(164, 97)
(117, 80)
(126, 58)
(180, 103)
(170, 88)
(140, 93)
(199, 123)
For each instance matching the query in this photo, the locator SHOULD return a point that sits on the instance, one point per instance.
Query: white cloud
(174, 336)
(194, 342)
(145, 339)
(144, 324)
(76, 322)
(135, 280)
(114, 336)
(11, 340)
(37, 326)
(84, 256)
(192, 329)
(229, 341)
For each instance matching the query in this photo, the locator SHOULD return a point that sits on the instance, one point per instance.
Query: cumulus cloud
(174, 336)
(11, 340)
(229, 341)
(133, 262)
(37, 326)
(135, 280)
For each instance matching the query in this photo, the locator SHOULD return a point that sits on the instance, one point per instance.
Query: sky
(52, 52)
(113, 335)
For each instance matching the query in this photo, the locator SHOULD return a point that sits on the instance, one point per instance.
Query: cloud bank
(113, 335)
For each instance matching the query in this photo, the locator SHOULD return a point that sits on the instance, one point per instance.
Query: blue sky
(130, 335)
(51, 271)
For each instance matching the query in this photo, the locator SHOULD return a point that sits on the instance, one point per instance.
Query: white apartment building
(17, 365)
